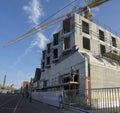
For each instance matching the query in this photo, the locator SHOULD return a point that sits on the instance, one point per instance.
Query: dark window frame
(43, 65)
(48, 48)
(56, 39)
(85, 27)
(114, 42)
(101, 35)
(102, 49)
(44, 54)
(48, 60)
(66, 25)
(67, 43)
(55, 53)
(86, 43)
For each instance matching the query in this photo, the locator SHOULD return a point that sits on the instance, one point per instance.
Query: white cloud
(39, 41)
(34, 10)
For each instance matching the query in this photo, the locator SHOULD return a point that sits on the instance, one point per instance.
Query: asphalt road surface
(17, 104)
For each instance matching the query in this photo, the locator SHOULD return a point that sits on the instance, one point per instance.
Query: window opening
(66, 25)
(101, 35)
(85, 27)
(48, 60)
(44, 54)
(48, 48)
(66, 43)
(43, 65)
(114, 42)
(102, 49)
(55, 53)
(56, 39)
(86, 43)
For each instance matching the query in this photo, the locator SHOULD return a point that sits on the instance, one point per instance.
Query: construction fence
(102, 100)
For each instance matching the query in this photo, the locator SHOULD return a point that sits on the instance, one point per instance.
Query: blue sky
(20, 60)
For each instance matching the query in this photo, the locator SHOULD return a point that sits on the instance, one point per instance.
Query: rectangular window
(114, 42)
(66, 25)
(56, 39)
(101, 35)
(102, 49)
(66, 43)
(85, 27)
(55, 53)
(48, 60)
(86, 43)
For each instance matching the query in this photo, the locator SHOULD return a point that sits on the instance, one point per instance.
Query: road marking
(17, 105)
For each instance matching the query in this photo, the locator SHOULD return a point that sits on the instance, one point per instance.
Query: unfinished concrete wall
(94, 37)
(104, 73)
(75, 60)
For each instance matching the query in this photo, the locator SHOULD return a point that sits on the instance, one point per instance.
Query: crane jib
(95, 3)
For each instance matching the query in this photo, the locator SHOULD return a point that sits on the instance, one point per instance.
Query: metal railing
(102, 100)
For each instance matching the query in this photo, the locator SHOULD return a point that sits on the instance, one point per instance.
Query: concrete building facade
(81, 56)
(86, 47)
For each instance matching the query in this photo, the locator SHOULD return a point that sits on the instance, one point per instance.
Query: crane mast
(85, 10)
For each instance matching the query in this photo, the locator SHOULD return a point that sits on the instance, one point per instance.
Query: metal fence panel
(102, 100)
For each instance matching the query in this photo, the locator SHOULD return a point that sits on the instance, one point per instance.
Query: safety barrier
(102, 100)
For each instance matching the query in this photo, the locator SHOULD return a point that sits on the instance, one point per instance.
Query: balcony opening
(66, 25)
(102, 49)
(114, 42)
(85, 27)
(86, 43)
(66, 43)
(56, 39)
(101, 35)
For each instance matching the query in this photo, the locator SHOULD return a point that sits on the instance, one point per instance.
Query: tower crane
(87, 14)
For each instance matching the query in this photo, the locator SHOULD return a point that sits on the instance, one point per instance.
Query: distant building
(36, 79)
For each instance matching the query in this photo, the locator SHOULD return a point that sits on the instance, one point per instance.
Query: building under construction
(83, 56)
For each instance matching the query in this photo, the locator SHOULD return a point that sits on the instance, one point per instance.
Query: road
(17, 104)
